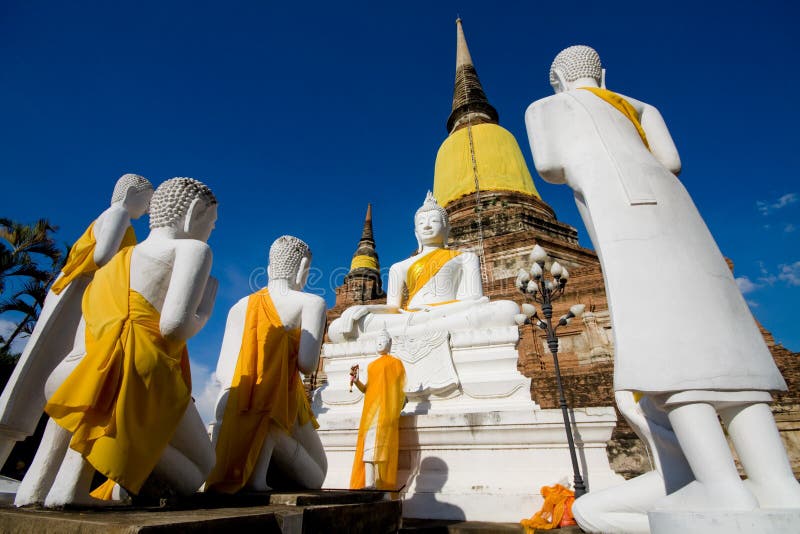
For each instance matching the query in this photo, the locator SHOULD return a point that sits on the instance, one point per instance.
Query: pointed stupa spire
(365, 258)
(469, 100)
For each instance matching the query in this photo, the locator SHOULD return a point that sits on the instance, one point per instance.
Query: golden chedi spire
(365, 257)
(478, 154)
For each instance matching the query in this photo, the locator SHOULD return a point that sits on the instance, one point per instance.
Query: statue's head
(383, 343)
(186, 205)
(289, 259)
(134, 192)
(575, 63)
(431, 223)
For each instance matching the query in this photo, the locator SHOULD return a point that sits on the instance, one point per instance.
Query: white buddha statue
(263, 417)
(661, 265)
(443, 286)
(23, 399)
(120, 402)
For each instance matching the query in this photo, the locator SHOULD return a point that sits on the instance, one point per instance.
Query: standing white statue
(443, 286)
(120, 403)
(378, 445)
(263, 416)
(662, 267)
(23, 399)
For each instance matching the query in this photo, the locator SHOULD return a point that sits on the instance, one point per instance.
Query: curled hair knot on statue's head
(574, 62)
(130, 181)
(431, 204)
(285, 256)
(172, 200)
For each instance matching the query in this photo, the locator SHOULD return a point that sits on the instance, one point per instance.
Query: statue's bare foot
(700, 496)
(778, 493)
(59, 500)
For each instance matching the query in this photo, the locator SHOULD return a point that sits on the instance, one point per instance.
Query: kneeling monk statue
(444, 289)
(121, 400)
(263, 415)
(23, 399)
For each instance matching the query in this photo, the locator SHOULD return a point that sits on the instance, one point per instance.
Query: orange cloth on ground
(266, 390)
(623, 106)
(383, 402)
(125, 398)
(426, 268)
(557, 507)
(81, 257)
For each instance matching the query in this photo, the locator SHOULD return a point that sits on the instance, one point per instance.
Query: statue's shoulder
(192, 246)
(310, 299)
(466, 256)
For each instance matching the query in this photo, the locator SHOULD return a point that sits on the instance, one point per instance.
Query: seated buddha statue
(120, 403)
(436, 289)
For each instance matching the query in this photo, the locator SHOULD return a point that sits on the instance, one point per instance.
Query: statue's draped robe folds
(422, 271)
(81, 257)
(124, 400)
(267, 390)
(653, 245)
(23, 399)
(383, 403)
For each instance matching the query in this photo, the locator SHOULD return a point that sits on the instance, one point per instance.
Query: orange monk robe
(266, 391)
(425, 268)
(124, 400)
(623, 106)
(383, 402)
(81, 257)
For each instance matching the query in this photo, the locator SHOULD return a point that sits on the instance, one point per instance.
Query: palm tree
(28, 256)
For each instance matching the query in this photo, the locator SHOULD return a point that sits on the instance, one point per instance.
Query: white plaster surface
(725, 522)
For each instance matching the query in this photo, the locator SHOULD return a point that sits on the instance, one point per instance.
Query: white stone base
(8, 489)
(762, 521)
(479, 465)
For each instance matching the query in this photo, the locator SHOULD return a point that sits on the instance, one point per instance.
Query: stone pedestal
(725, 522)
(478, 448)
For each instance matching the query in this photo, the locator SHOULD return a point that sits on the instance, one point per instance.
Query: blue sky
(298, 116)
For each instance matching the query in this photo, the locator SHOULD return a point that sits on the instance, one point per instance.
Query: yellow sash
(81, 257)
(384, 398)
(266, 390)
(425, 268)
(124, 400)
(623, 106)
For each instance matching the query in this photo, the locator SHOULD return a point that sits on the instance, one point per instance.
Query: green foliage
(30, 260)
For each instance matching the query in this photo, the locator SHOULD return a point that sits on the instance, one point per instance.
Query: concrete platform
(280, 513)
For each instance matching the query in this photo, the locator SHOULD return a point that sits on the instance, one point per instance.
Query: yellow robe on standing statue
(124, 400)
(383, 402)
(266, 390)
(81, 257)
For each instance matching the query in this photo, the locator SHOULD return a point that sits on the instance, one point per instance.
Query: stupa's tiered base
(479, 466)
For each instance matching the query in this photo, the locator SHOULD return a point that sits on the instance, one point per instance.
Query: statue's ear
(603, 79)
(419, 241)
(561, 82)
(193, 211)
(269, 272)
(302, 272)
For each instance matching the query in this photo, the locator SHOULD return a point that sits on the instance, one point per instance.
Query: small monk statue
(120, 403)
(23, 399)
(378, 446)
(263, 414)
(443, 286)
(660, 263)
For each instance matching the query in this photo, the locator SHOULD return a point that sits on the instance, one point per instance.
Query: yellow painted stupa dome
(498, 158)
(475, 136)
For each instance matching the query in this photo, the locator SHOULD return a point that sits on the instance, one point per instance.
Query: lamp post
(534, 286)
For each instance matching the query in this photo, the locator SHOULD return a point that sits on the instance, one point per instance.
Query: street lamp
(534, 286)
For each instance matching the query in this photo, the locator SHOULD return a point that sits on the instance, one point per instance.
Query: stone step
(267, 513)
